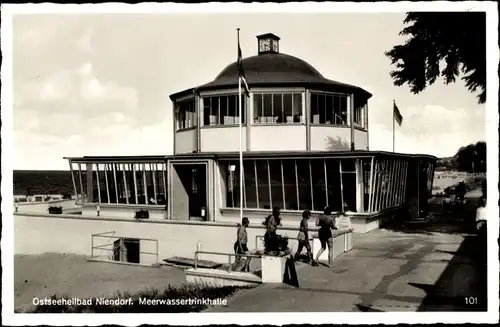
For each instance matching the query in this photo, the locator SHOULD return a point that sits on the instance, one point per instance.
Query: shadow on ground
(448, 293)
(445, 293)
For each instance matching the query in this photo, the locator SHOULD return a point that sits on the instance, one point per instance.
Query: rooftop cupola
(268, 43)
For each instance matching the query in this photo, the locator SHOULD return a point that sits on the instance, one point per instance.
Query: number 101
(471, 300)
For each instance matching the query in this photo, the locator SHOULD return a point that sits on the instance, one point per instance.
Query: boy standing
(304, 238)
(240, 246)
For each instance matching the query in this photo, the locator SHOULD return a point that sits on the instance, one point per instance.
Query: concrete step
(189, 262)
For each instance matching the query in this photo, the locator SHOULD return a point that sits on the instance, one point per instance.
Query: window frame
(178, 110)
(334, 95)
(211, 96)
(293, 93)
(107, 178)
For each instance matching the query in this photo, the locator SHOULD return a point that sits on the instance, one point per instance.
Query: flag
(397, 115)
(241, 72)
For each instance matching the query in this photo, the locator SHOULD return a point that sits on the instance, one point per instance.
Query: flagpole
(393, 127)
(241, 136)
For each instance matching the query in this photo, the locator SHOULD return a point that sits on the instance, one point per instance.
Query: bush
(55, 210)
(171, 294)
(142, 214)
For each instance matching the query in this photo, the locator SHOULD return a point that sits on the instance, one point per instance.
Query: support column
(367, 112)
(198, 104)
(360, 191)
(90, 189)
(370, 194)
(174, 123)
(351, 120)
(73, 178)
(307, 117)
(248, 119)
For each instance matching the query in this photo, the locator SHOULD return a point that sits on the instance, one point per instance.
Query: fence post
(229, 265)
(196, 260)
(92, 246)
(157, 252)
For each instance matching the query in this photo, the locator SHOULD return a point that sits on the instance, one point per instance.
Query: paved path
(386, 271)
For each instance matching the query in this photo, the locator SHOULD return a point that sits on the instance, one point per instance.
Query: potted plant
(55, 210)
(142, 214)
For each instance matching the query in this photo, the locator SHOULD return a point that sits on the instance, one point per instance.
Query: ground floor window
(291, 184)
(389, 183)
(118, 182)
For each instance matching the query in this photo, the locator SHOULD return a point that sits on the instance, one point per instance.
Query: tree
(471, 158)
(456, 38)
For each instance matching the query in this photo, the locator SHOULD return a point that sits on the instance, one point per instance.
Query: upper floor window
(330, 109)
(360, 114)
(277, 108)
(185, 114)
(223, 110)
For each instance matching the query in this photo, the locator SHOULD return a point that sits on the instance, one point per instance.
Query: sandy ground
(72, 275)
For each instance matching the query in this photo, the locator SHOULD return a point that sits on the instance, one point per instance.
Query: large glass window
(304, 184)
(223, 110)
(330, 109)
(250, 184)
(367, 164)
(185, 114)
(319, 183)
(290, 185)
(349, 183)
(276, 183)
(101, 174)
(294, 184)
(233, 184)
(263, 186)
(125, 183)
(360, 111)
(277, 108)
(333, 179)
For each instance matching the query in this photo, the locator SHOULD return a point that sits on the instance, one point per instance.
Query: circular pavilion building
(304, 142)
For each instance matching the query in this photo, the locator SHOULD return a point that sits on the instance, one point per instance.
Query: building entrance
(189, 190)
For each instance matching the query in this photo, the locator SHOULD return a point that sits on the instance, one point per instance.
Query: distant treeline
(470, 158)
(31, 182)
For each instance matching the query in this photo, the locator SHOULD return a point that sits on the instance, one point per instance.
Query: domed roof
(271, 67)
(274, 69)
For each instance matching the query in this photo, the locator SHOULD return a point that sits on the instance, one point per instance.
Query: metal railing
(123, 239)
(262, 237)
(229, 255)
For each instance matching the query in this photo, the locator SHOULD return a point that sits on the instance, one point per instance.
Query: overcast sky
(99, 84)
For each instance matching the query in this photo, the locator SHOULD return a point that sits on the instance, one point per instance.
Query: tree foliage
(468, 158)
(471, 158)
(455, 39)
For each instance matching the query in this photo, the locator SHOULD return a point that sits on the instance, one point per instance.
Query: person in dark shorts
(270, 238)
(240, 246)
(303, 238)
(326, 223)
(460, 191)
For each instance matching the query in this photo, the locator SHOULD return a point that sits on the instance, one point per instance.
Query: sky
(100, 84)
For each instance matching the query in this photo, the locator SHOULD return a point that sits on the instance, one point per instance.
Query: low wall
(41, 233)
(43, 207)
(120, 211)
(360, 223)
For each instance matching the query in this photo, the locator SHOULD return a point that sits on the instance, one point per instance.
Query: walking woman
(326, 223)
